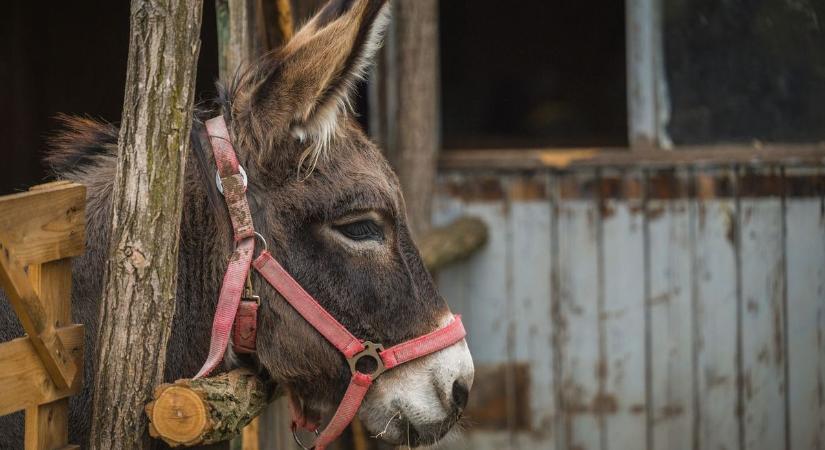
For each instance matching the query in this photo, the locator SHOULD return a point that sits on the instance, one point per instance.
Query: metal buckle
(298, 440)
(371, 350)
(220, 184)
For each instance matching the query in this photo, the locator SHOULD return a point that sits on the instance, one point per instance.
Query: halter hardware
(373, 352)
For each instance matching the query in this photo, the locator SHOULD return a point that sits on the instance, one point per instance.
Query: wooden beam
(44, 224)
(35, 318)
(24, 379)
(571, 158)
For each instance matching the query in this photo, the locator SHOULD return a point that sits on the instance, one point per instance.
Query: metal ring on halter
(298, 440)
(263, 241)
(220, 184)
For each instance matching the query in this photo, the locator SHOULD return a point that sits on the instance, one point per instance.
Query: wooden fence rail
(40, 230)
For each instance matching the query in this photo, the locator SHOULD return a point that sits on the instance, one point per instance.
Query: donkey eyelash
(361, 230)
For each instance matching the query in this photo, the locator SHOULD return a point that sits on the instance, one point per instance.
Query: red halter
(232, 183)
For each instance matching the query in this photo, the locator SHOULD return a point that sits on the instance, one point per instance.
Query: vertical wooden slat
(531, 324)
(763, 291)
(577, 318)
(47, 425)
(805, 221)
(481, 290)
(670, 312)
(622, 316)
(713, 221)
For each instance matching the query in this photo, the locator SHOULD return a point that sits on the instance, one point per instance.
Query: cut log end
(178, 415)
(206, 410)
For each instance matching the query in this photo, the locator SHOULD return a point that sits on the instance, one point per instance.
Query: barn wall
(643, 309)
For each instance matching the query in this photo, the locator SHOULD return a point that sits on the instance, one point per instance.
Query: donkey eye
(362, 230)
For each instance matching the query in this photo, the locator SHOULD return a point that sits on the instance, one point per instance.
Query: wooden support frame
(40, 231)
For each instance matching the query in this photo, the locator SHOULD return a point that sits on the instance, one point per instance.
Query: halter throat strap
(232, 182)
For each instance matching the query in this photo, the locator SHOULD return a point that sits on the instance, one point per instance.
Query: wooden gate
(40, 231)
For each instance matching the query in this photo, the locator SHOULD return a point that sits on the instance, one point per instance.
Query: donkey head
(331, 208)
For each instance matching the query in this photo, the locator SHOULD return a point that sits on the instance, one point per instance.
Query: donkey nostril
(460, 394)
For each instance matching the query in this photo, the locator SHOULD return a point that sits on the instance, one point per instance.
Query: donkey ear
(311, 86)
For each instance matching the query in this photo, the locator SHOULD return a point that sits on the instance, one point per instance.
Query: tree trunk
(413, 147)
(141, 273)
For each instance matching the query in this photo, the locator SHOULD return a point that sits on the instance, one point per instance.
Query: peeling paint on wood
(667, 309)
(762, 314)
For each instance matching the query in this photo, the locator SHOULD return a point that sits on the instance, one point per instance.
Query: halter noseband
(238, 306)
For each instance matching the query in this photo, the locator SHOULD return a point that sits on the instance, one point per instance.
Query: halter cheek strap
(233, 184)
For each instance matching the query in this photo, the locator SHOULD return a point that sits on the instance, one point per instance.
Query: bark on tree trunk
(415, 150)
(141, 274)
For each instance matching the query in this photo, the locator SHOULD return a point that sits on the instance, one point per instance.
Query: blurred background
(650, 174)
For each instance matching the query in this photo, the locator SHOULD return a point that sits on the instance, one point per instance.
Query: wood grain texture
(44, 224)
(531, 326)
(577, 316)
(805, 243)
(763, 355)
(138, 301)
(206, 410)
(622, 399)
(47, 424)
(715, 298)
(413, 151)
(24, 379)
(670, 309)
(38, 321)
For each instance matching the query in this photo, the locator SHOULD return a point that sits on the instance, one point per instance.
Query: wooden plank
(45, 224)
(763, 319)
(622, 399)
(713, 222)
(531, 216)
(24, 379)
(706, 156)
(577, 315)
(36, 321)
(47, 425)
(670, 310)
(805, 241)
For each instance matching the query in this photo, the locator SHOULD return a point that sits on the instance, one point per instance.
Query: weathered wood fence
(40, 231)
(643, 305)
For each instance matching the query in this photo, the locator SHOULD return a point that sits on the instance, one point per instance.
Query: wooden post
(406, 113)
(138, 301)
(648, 107)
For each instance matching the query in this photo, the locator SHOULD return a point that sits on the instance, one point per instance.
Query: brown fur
(273, 109)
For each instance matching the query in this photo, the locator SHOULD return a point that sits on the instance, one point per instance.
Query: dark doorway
(67, 57)
(533, 73)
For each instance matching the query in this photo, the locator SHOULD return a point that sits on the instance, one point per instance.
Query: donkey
(329, 205)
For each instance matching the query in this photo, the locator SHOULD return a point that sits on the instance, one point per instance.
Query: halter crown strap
(234, 192)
